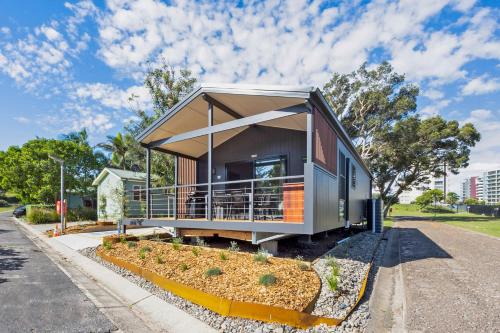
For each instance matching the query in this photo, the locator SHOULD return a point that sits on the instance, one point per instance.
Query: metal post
(309, 149)
(148, 183)
(62, 197)
(210, 146)
(250, 215)
(176, 161)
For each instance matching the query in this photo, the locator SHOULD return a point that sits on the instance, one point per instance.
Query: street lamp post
(61, 162)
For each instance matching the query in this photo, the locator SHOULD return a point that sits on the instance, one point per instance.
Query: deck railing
(278, 199)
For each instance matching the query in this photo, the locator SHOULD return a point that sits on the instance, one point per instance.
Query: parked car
(19, 211)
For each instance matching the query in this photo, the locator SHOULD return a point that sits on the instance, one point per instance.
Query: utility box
(374, 215)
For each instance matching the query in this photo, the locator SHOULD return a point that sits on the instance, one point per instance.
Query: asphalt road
(450, 278)
(35, 295)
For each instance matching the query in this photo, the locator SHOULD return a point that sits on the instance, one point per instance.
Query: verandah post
(176, 170)
(148, 183)
(210, 147)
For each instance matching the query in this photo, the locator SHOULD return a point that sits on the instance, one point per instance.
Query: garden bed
(83, 227)
(240, 278)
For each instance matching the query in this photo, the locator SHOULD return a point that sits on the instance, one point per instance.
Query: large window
(270, 167)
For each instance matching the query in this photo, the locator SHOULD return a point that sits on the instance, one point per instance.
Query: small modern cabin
(253, 163)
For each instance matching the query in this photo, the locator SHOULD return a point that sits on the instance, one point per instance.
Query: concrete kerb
(148, 306)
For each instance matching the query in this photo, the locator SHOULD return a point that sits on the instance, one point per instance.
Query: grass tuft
(159, 260)
(261, 256)
(215, 271)
(132, 244)
(223, 256)
(107, 245)
(184, 267)
(233, 247)
(196, 251)
(176, 243)
(267, 279)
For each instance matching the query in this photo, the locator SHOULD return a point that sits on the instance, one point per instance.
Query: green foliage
(103, 202)
(142, 255)
(42, 215)
(261, 256)
(452, 198)
(303, 265)
(176, 243)
(429, 197)
(35, 178)
(159, 260)
(81, 214)
(233, 247)
(471, 201)
(332, 281)
(184, 267)
(119, 147)
(333, 278)
(132, 244)
(196, 251)
(402, 150)
(4, 203)
(267, 279)
(107, 245)
(145, 249)
(201, 242)
(215, 271)
(223, 256)
(123, 239)
(142, 237)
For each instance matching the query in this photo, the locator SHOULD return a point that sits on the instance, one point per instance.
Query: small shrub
(176, 243)
(107, 245)
(4, 203)
(132, 244)
(42, 215)
(142, 255)
(223, 256)
(184, 267)
(267, 279)
(303, 265)
(82, 214)
(159, 260)
(213, 272)
(261, 256)
(146, 249)
(143, 250)
(332, 281)
(123, 239)
(142, 237)
(233, 247)
(196, 251)
(201, 242)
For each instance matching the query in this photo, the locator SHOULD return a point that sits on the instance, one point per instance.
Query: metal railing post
(148, 183)
(251, 201)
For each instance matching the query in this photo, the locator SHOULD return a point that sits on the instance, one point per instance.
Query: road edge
(147, 307)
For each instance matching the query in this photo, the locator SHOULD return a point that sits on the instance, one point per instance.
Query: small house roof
(122, 174)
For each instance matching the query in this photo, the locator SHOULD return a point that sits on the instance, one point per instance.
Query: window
(271, 167)
(353, 176)
(139, 193)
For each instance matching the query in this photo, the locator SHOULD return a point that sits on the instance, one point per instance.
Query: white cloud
(481, 85)
(5, 30)
(113, 97)
(434, 108)
(433, 94)
(22, 120)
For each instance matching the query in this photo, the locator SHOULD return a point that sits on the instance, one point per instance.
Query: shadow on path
(10, 260)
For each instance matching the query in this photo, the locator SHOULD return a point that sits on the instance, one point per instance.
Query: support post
(148, 183)
(62, 206)
(309, 125)
(250, 214)
(176, 168)
(210, 147)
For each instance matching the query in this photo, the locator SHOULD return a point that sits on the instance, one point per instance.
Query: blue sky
(65, 66)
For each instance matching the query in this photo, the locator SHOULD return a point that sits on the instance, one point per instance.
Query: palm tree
(119, 146)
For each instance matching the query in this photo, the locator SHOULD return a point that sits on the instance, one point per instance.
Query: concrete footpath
(132, 308)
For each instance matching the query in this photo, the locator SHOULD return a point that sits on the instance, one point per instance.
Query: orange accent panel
(293, 202)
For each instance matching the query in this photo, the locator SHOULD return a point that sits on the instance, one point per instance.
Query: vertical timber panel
(325, 143)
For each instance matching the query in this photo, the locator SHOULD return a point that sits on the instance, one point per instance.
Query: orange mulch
(294, 289)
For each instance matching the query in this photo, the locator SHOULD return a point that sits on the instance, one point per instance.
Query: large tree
(34, 177)
(121, 147)
(401, 149)
(368, 101)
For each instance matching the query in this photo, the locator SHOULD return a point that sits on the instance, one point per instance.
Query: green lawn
(6, 209)
(484, 224)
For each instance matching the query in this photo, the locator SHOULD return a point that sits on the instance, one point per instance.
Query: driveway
(35, 295)
(448, 277)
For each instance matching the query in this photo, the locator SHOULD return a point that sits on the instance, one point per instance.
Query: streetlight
(61, 162)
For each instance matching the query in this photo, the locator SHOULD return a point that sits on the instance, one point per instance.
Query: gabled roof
(122, 174)
(242, 101)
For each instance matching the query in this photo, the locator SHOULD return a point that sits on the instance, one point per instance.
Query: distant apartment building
(469, 188)
(408, 197)
(484, 188)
